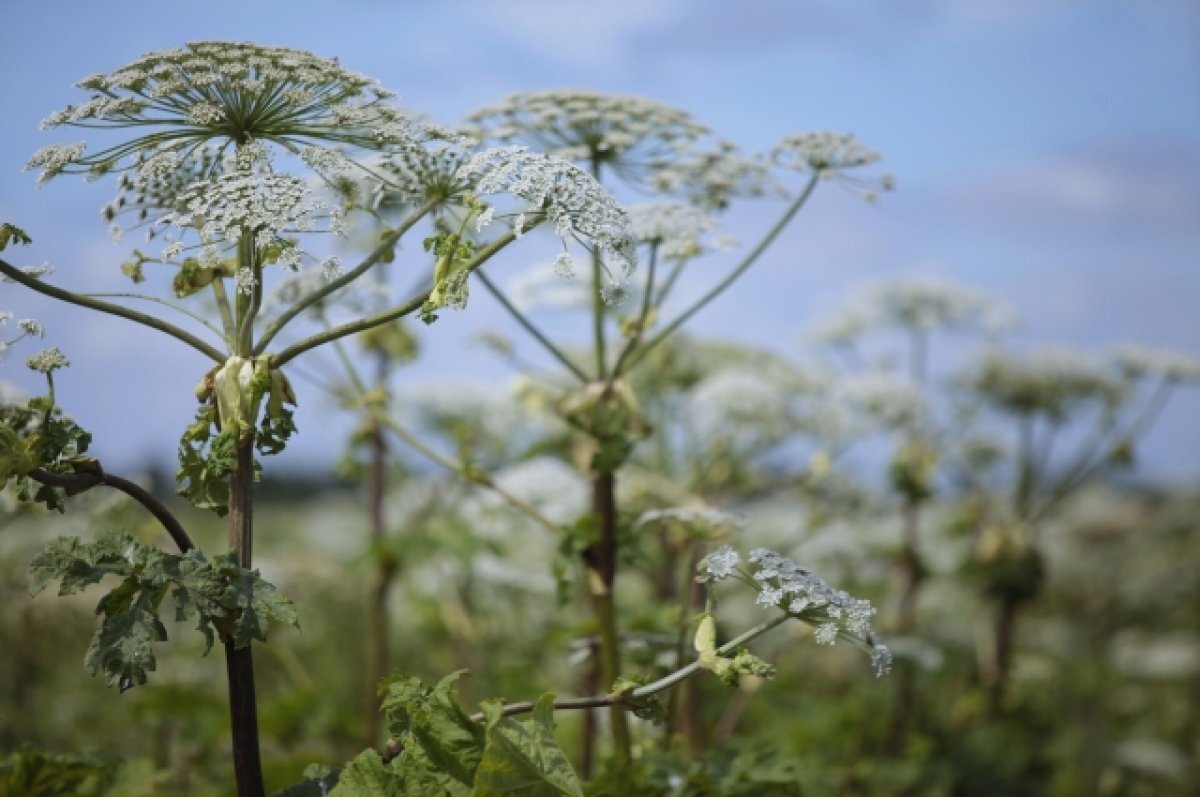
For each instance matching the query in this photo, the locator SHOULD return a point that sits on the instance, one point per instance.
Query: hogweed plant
(236, 161)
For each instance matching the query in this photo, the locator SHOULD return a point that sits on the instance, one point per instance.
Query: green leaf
(13, 234)
(31, 773)
(367, 776)
(523, 758)
(225, 598)
(433, 720)
(255, 602)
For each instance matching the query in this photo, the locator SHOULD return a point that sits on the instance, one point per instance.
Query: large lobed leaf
(225, 598)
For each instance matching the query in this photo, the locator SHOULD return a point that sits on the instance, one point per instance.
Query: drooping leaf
(523, 758)
(225, 599)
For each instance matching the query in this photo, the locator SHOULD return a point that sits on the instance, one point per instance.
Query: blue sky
(1046, 151)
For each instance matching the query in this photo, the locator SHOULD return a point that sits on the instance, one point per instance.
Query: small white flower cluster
(265, 205)
(583, 125)
(566, 196)
(417, 173)
(29, 329)
(54, 158)
(47, 361)
(916, 303)
(1172, 366)
(544, 285)
(825, 153)
(693, 516)
(799, 592)
(678, 230)
(829, 156)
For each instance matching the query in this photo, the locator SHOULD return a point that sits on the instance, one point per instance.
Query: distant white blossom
(914, 303)
(1138, 361)
(544, 286)
(712, 176)
(1050, 381)
(830, 156)
(631, 135)
(679, 231)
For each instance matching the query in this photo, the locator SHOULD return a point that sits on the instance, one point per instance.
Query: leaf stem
(648, 690)
(85, 480)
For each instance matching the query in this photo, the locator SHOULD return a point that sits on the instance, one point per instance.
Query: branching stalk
(69, 297)
(732, 277)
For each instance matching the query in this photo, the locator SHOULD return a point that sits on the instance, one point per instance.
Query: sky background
(1047, 152)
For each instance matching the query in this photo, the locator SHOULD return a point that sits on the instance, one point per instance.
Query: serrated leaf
(435, 722)
(524, 758)
(79, 564)
(367, 776)
(255, 602)
(224, 597)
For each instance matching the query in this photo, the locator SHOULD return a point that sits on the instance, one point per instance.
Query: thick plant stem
(600, 560)
(384, 573)
(239, 663)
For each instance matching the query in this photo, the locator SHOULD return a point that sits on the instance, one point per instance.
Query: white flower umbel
(226, 93)
(712, 176)
(47, 361)
(266, 206)
(631, 135)
(830, 156)
(1142, 361)
(577, 206)
(679, 231)
(800, 593)
(1051, 382)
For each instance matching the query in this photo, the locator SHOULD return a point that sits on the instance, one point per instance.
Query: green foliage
(444, 752)
(223, 598)
(35, 436)
(205, 462)
(13, 234)
(453, 256)
(524, 757)
(758, 771)
(33, 773)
